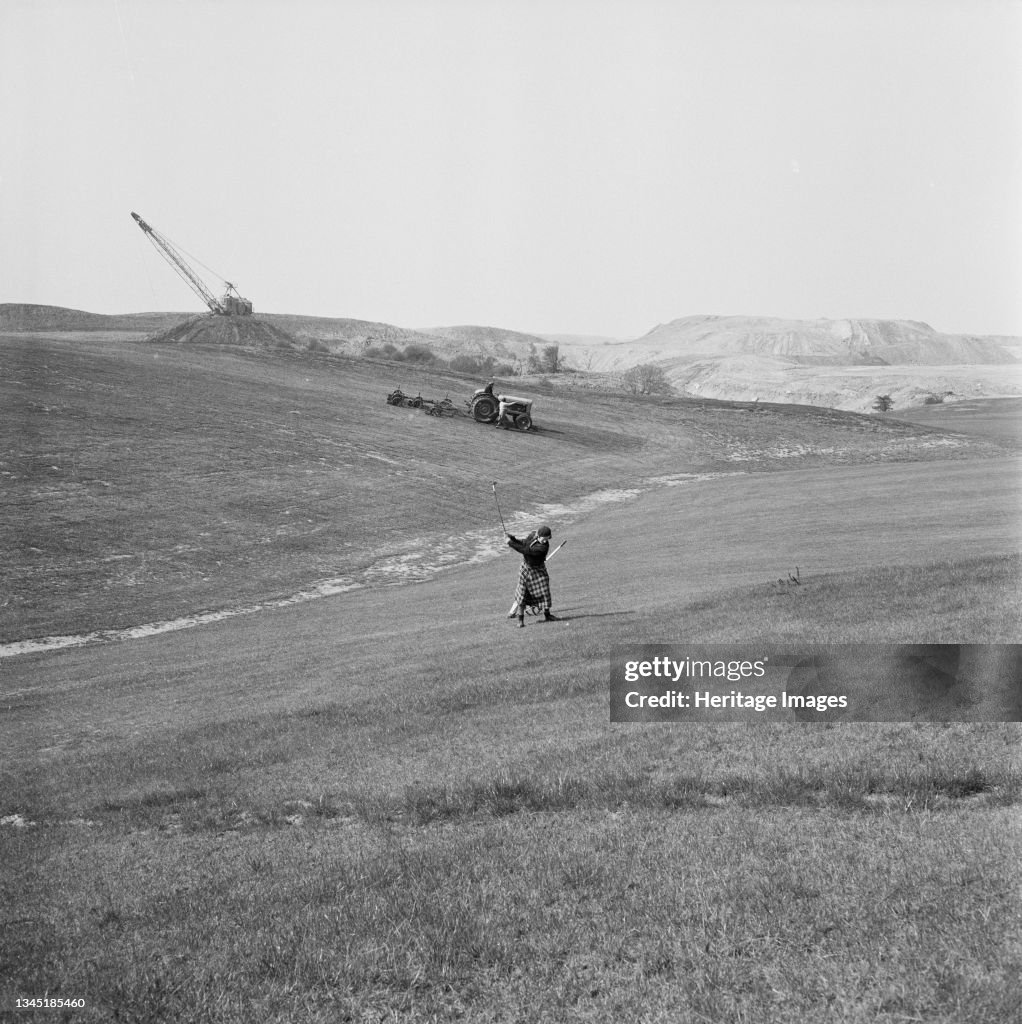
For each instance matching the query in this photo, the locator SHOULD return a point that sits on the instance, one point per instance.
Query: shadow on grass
(569, 615)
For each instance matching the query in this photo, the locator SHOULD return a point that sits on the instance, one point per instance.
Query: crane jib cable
(194, 259)
(179, 248)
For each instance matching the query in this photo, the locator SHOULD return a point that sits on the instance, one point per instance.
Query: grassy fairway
(146, 481)
(992, 417)
(391, 805)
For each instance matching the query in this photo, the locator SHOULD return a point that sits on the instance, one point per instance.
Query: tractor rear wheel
(484, 409)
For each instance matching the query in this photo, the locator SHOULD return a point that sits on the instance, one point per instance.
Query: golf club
(497, 503)
(556, 549)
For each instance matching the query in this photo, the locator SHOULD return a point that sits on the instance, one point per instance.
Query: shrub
(647, 379)
(417, 354)
(547, 361)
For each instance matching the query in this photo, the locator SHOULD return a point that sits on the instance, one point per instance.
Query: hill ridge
(26, 317)
(840, 363)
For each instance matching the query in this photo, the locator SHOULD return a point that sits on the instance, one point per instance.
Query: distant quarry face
(841, 364)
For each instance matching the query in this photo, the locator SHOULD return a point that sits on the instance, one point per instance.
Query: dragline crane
(231, 304)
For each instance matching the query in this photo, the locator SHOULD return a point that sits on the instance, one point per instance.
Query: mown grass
(401, 721)
(974, 600)
(392, 822)
(146, 481)
(518, 858)
(544, 898)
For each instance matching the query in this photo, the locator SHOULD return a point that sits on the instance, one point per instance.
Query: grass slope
(393, 805)
(388, 808)
(990, 417)
(147, 481)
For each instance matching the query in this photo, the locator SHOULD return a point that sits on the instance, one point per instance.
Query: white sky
(571, 166)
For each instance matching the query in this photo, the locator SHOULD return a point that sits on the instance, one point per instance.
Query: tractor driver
(501, 404)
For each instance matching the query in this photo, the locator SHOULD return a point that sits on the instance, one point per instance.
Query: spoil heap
(244, 331)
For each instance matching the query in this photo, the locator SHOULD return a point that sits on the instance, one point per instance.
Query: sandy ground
(854, 388)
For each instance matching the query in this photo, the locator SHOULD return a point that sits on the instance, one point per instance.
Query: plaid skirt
(533, 588)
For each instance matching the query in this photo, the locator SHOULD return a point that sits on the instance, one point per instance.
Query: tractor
(504, 410)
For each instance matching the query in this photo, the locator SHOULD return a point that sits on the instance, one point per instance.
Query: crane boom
(231, 304)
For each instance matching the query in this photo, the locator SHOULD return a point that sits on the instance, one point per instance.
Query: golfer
(533, 581)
